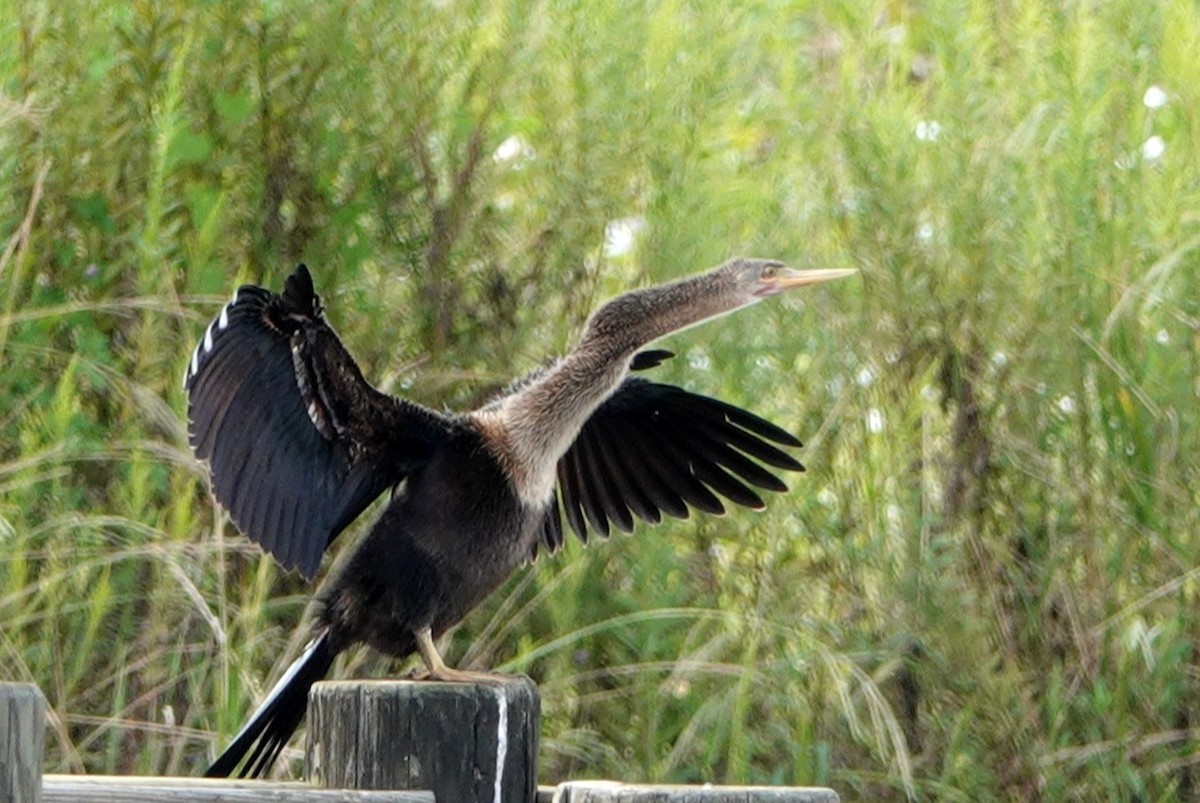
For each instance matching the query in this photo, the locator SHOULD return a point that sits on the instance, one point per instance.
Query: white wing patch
(221, 322)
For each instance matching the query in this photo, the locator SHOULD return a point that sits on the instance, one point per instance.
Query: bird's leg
(436, 669)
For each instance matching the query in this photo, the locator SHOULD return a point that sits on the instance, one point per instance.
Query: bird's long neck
(539, 422)
(630, 321)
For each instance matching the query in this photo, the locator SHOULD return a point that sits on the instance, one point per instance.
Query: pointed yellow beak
(787, 278)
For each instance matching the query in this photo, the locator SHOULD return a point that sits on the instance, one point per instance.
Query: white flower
(620, 235)
(928, 130)
(512, 149)
(1153, 148)
(698, 360)
(1155, 97)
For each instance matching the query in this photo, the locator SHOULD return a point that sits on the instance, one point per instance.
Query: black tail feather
(270, 727)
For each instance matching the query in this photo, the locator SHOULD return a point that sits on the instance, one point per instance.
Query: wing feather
(629, 485)
(711, 408)
(615, 495)
(592, 491)
(676, 468)
(296, 441)
(653, 448)
(569, 473)
(653, 471)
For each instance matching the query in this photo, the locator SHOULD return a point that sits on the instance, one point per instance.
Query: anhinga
(298, 444)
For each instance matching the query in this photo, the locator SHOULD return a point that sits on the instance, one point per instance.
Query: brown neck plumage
(540, 420)
(632, 320)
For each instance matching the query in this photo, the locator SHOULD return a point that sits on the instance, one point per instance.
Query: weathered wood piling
(612, 792)
(369, 742)
(22, 731)
(468, 742)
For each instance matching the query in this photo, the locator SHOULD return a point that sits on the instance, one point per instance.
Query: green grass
(983, 588)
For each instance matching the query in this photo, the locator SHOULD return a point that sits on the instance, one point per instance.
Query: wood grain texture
(612, 792)
(133, 789)
(468, 742)
(22, 739)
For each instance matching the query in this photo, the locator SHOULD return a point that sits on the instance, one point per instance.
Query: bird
(297, 444)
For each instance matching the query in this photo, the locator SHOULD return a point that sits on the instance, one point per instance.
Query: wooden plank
(468, 742)
(612, 792)
(22, 740)
(135, 789)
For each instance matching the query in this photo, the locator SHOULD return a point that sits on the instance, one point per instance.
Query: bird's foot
(446, 674)
(436, 669)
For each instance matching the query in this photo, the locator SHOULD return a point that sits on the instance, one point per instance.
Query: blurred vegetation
(985, 586)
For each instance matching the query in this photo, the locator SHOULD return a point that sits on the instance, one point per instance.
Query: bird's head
(633, 319)
(751, 280)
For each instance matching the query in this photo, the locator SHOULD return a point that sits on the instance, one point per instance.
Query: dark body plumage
(298, 444)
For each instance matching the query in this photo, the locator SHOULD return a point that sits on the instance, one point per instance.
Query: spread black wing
(653, 448)
(297, 442)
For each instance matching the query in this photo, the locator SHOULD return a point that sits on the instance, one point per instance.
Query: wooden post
(135, 789)
(22, 739)
(467, 742)
(611, 792)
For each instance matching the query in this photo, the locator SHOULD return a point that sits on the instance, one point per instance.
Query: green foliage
(984, 586)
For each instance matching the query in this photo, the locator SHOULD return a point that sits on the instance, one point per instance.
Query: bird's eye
(768, 272)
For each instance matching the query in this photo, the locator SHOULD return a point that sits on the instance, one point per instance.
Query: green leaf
(188, 148)
(233, 108)
(93, 209)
